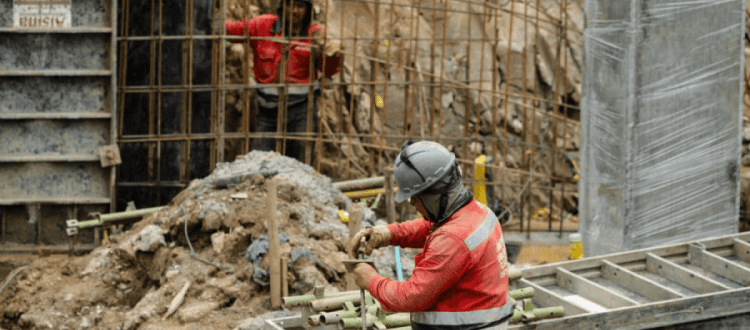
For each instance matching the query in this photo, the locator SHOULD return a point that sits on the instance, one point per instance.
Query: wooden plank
(592, 291)
(742, 249)
(682, 275)
(698, 256)
(273, 245)
(547, 298)
(637, 283)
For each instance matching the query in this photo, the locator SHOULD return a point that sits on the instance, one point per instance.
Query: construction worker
(460, 279)
(295, 50)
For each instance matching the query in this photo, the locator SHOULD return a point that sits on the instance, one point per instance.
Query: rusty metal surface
(52, 95)
(54, 137)
(54, 51)
(6, 13)
(53, 180)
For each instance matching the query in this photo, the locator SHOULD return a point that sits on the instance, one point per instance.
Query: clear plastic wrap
(661, 121)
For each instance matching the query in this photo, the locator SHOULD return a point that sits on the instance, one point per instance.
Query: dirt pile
(131, 282)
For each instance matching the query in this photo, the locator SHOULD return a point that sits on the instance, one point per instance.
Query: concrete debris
(149, 239)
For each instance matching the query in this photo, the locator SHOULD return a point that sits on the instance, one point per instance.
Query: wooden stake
(284, 273)
(273, 246)
(355, 223)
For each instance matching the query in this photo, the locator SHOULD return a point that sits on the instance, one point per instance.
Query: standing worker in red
(460, 279)
(287, 60)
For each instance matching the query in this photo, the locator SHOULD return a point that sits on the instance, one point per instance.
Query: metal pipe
(393, 320)
(360, 184)
(338, 302)
(366, 193)
(120, 216)
(336, 317)
(297, 301)
(537, 314)
(522, 293)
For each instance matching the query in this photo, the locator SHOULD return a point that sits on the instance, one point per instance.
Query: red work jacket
(461, 276)
(267, 54)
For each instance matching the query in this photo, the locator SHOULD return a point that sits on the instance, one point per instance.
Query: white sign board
(41, 14)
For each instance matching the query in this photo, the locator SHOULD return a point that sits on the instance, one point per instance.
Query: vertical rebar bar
(431, 106)
(222, 100)
(565, 107)
(495, 86)
(385, 89)
(351, 102)
(185, 72)
(319, 143)
(467, 91)
(439, 108)
(151, 77)
(214, 80)
(159, 103)
(556, 107)
(374, 77)
(189, 122)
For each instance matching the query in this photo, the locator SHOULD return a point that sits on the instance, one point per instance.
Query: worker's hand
(331, 48)
(375, 237)
(328, 46)
(362, 274)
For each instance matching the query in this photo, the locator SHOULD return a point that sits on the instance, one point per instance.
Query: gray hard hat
(419, 166)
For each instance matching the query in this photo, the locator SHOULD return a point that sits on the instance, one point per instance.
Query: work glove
(331, 48)
(375, 237)
(362, 274)
(328, 46)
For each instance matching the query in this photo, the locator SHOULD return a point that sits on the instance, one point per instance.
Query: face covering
(450, 190)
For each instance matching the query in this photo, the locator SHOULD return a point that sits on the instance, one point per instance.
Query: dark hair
(277, 26)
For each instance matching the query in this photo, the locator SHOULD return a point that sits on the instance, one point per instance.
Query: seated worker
(460, 279)
(287, 60)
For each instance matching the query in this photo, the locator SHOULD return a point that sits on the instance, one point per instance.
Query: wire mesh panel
(482, 77)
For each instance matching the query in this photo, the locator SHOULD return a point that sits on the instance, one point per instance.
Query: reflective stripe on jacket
(459, 279)
(267, 53)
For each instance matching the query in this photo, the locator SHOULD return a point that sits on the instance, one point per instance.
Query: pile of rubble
(201, 261)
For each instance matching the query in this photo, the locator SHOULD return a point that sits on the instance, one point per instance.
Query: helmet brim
(401, 196)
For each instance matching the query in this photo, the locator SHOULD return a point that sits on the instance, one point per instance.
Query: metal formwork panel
(57, 97)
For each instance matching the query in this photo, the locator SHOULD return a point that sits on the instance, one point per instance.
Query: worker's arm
(444, 263)
(411, 234)
(244, 27)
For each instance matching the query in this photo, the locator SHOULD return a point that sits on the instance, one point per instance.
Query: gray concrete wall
(661, 117)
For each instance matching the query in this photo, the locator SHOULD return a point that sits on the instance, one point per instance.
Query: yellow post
(479, 190)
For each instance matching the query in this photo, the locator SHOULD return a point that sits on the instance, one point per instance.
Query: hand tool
(350, 265)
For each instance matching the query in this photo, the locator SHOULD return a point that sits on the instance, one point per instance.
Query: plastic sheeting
(661, 122)
(255, 252)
